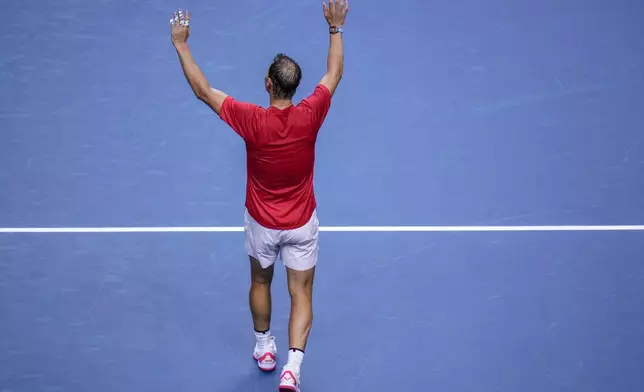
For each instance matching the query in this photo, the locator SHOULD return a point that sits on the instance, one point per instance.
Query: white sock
(262, 337)
(263, 334)
(295, 358)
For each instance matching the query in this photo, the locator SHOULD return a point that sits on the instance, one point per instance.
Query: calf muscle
(300, 287)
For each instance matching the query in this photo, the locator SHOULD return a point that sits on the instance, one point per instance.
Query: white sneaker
(265, 354)
(289, 380)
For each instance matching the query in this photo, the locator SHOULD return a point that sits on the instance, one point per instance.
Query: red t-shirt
(280, 154)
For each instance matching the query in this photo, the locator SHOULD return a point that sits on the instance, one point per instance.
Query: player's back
(281, 154)
(280, 146)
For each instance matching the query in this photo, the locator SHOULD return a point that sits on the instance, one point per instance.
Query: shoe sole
(287, 389)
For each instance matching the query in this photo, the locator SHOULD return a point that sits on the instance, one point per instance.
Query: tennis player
(280, 218)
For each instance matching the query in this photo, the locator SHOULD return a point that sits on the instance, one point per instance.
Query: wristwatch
(335, 29)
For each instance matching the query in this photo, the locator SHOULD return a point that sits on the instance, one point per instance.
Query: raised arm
(335, 13)
(180, 31)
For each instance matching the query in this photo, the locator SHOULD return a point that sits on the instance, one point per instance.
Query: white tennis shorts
(298, 247)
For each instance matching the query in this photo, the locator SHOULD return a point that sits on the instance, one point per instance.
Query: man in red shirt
(280, 217)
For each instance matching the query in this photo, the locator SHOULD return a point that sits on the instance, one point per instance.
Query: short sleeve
(317, 104)
(240, 116)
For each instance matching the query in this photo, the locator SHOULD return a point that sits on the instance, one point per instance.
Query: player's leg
(261, 245)
(259, 296)
(300, 253)
(259, 299)
(300, 288)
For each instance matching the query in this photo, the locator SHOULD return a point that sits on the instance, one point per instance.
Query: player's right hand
(335, 12)
(180, 27)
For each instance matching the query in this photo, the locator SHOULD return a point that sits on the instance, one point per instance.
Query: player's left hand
(180, 27)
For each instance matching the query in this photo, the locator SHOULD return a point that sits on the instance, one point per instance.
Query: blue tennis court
(504, 113)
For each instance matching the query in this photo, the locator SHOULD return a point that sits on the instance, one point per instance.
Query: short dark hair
(285, 74)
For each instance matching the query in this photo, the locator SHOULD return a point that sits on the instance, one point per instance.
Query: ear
(268, 83)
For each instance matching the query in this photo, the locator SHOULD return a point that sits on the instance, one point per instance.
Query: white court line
(351, 229)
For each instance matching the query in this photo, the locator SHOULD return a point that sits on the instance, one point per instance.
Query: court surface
(507, 119)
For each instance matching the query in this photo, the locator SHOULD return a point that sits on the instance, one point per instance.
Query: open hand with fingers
(335, 12)
(180, 27)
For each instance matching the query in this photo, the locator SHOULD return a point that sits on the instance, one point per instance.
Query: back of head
(285, 75)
